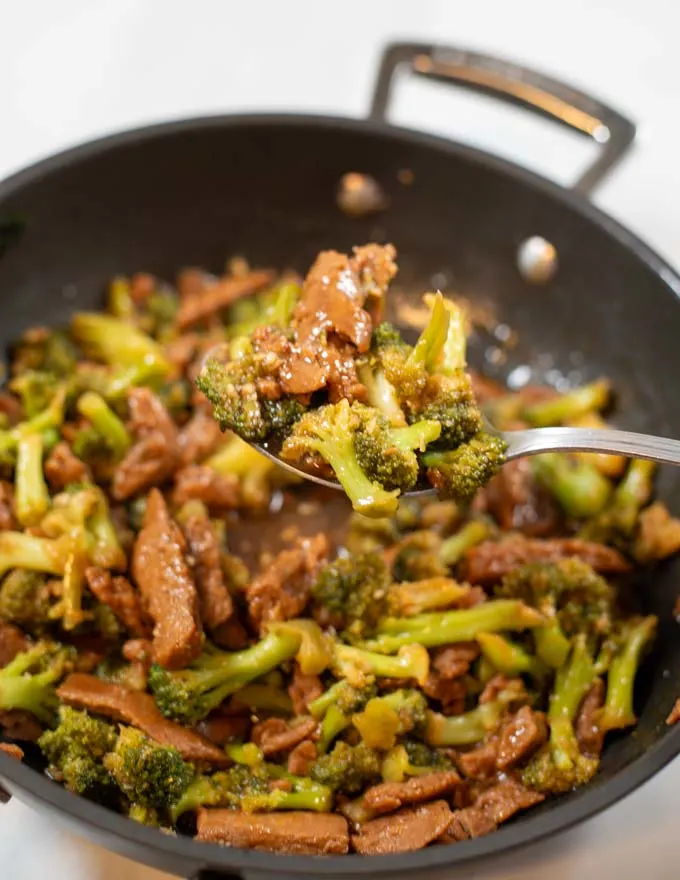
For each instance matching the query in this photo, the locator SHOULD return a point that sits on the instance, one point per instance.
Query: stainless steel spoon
(534, 441)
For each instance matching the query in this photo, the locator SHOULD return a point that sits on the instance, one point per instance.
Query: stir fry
(179, 651)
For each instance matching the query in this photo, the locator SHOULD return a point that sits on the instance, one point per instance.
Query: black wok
(192, 192)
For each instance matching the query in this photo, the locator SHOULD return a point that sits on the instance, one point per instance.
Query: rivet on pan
(537, 260)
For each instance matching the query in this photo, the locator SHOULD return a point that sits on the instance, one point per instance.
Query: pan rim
(192, 855)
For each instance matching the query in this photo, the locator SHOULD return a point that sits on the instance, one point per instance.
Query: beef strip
(489, 562)
(302, 757)
(342, 379)
(493, 807)
(20, 725)
(8, 520)
(674, 716)
(590, 737)
(389, 796)
(450, 692)
(454, 661)
(479, 763)
(299, 833)
(219, 492)
(408, 830)
(303, 690)
(12, 642)
(216, 606)
(12, 750)
(518, 503)
(139, 710)
(199, 438)
(282, 590)
(232, 635)
(223, 728)
(162, 574)
(276, 735)
(497, 683)
(11, 407)
(122, 598)
(525, 732)
(63, 467)
(201, 302)
(155, 453)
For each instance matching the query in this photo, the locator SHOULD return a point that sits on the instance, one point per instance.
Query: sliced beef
(498, 683)
(223, 728)
(299, 833)
(12, 642)
(199, 438)
(282, 590)
(202, 302)
(342, 379)
(162, 574)
(232, 635)
(276, 735)
(140, 710)
(155, 453)
(493, 807)
(122, 598)
(590, 737)
(219, 492)
(8, 519)
(449, 692)
(138, 651)
(389, 796)
(408, 830)
(489, 562)
(303, 690)
(63, 467)
(518, 503)
(10, 406)
(302, 757)
(12, 750)
(216, 606)
(520, 737)
(20, 725)
(454, 661)
(674, 716)
(479, 763)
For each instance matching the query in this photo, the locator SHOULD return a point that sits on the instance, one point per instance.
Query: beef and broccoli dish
(184, 638)
(336, 389)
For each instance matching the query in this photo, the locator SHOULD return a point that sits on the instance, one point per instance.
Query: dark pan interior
(195, 193)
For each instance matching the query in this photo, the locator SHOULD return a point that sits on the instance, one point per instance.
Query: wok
(192, 192)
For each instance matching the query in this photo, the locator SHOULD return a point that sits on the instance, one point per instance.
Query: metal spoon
(534, 441)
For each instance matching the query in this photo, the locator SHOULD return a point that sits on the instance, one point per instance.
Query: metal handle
(514, 84)
(537, 440)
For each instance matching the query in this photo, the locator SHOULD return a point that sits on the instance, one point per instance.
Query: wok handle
(514, 84)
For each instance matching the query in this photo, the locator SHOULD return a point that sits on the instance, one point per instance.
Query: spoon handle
(537, 440)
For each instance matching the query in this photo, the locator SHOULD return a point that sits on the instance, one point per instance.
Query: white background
(74, 69)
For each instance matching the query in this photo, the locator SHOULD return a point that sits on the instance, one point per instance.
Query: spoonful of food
(324, 387)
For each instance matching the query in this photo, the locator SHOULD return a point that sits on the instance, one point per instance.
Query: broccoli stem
(381, 394)
(316, 651)
(571, 405)
(30, 692)
(634, 490)
(117, 343)
(248, 754)
(414, 597)
(239, 458)
(552, 646)
(465, 729)
(120, 303)
(367, 497)
(572, 683)
(104, 420)
(618, 711)
(105, 549)
(453, 549)
(334, 722)
(415, 436)
(432, 340)
(243, 666)
(508, 657)
(579, 488)
(264, 697)
(70, 608)
(354, 664)
(454, 352)
(19, 550)
(319, 707)
(433, 630)
(32, 497)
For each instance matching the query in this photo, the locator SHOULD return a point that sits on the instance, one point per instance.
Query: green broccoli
(32, 497)
(616, 522)
(473, 726)
(413, 758)
(385, 718)
(632, 639)
(74, 751)
(569, 406)
(188, 695)
(510, 658)
(356, 664)
(329, 433)
(353, 590)
(26, 600)
(432, 594)
(453, 548)
(344, 696)
(28, 681)
(105, 423)
(316, 647)
(347, 769)
(271, 308)
(578, 486)
(149, 774)
(460, 473)
(118, 343)
(44, 350)
(35, 389)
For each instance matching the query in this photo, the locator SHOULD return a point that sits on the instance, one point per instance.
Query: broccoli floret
(632, 639)
(316, 647)
(542, 773)
(413, 758)
(616, 522)
(118, 343)
(347, 769)
(188, 695)
(577, 485)
(343, 696)
(271, 308)
(35, 389)
(385, 718)
(356, 664)
(48, 351)
(149, 774)
(460, 473)
(354, 590)
(415, 597)
(328, 433)
(250, 790)
(28, 681)
(25, 599)
(105, 424)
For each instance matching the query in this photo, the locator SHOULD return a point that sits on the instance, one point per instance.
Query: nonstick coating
(196, 192)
